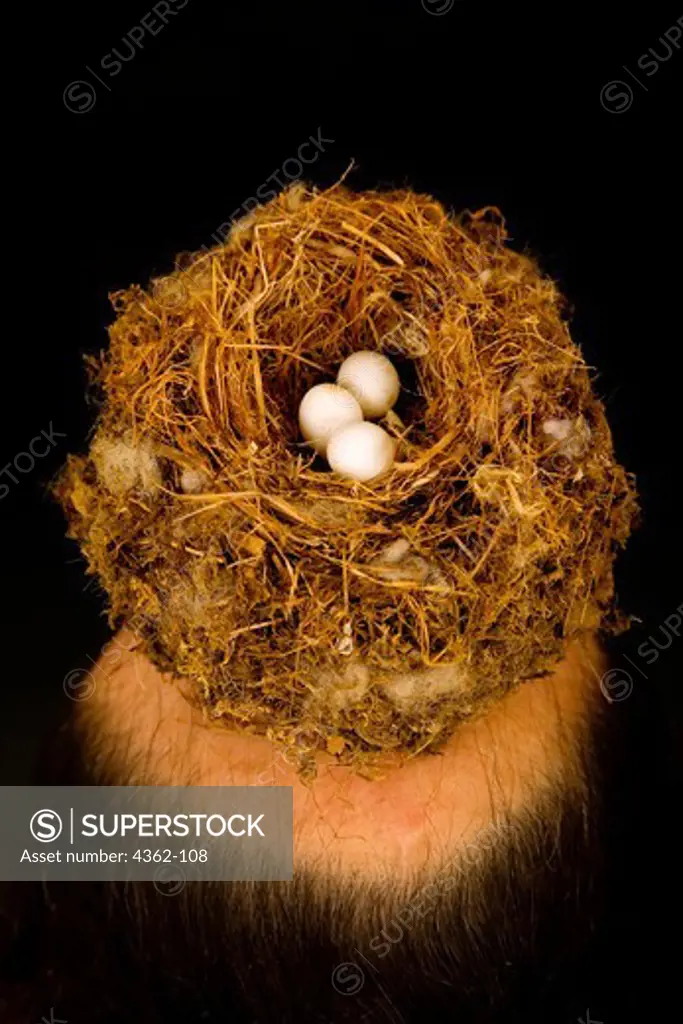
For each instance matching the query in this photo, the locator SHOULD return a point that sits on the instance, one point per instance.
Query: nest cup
(360, 619)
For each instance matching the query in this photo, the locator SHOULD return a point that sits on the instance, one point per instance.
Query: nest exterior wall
(357, 618)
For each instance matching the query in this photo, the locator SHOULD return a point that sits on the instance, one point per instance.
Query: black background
(478, 105)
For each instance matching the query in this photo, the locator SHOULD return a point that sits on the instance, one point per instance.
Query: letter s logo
(46, 826)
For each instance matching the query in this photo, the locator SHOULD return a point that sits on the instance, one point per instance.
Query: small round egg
(325, 409)
(361, 451)
(372, 379)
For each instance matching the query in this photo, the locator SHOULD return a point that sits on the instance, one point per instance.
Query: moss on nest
(357, 618)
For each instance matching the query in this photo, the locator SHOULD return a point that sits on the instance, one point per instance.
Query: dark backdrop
(474, 104)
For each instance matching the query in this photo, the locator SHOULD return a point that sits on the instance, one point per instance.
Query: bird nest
(357, 618)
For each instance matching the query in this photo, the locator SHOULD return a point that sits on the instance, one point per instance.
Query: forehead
(139, 728)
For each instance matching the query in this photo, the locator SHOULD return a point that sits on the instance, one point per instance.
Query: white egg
(373, 379)
(325, 409)
(361, 451)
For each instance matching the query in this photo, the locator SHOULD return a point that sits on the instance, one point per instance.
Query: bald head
(138, 727)
(451, 885)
